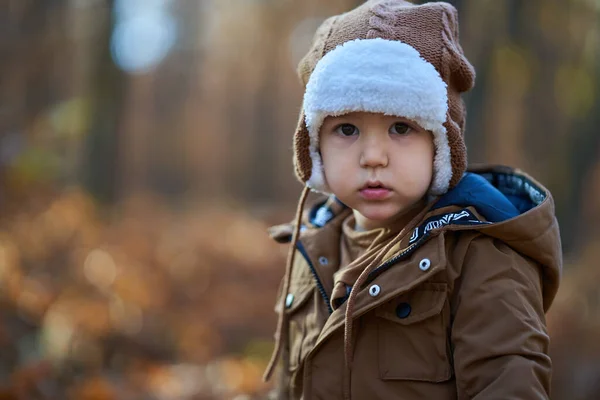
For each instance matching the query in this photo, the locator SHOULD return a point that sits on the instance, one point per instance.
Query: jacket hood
(519, 211)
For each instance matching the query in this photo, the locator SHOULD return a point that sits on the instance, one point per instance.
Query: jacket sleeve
(498, 335)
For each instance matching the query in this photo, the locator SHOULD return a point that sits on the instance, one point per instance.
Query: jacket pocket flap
(296, 297)
(422, 302)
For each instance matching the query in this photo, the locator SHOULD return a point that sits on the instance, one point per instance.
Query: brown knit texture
(431, 28)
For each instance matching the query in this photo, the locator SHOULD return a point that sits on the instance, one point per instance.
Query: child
(414, 279)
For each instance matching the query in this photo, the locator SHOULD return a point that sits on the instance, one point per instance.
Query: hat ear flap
(458, 150)
(302, 160)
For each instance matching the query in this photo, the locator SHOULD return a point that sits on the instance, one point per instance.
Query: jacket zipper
(320, 286)
(394, 260)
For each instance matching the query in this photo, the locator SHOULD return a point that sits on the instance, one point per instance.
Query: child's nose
(374, 153)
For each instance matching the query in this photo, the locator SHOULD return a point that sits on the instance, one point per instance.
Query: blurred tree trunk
(106, 98)
(580, 210)
(169, 171)
(261, 186)
(32, 79)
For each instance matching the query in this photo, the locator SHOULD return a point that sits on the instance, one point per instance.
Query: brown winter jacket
(455, 310)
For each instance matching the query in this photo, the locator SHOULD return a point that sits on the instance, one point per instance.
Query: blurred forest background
(145, 146)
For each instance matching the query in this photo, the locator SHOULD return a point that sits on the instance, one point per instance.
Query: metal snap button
(424, 264)
(323, 260)
(374, 290)
(289, 300)
(403, 310)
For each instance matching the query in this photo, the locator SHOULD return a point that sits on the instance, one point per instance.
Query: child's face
(378, 165)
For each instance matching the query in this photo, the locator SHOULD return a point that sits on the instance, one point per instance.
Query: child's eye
(400, 128)
(347, 130)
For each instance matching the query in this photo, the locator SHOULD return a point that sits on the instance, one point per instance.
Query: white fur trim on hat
(380, 76)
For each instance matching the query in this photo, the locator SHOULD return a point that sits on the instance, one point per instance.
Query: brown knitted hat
(391, 57)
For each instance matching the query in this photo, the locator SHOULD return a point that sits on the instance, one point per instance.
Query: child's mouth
(374, 191)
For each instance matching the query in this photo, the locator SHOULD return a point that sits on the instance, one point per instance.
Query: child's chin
(378, 214)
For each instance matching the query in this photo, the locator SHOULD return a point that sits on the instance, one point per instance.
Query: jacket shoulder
(317, 214)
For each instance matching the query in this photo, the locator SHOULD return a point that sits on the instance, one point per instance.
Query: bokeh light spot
(140, 43)
(100, 269)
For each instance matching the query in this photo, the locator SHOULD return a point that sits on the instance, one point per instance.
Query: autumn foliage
(173, 305)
